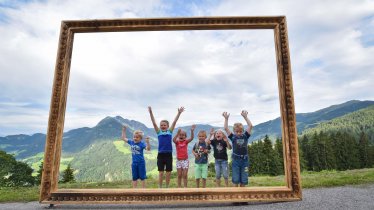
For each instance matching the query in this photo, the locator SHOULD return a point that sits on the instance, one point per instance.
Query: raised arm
(153, 120)
(180, 110)
(192, 134)
(148, 147)
(210, 137)
(177, 135)
(123, 136)
(245, 116)
(227, 141)
(226, 124)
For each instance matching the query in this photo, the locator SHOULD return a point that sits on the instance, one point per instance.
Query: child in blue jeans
(138, 162)
(240, 149)
(220, 144)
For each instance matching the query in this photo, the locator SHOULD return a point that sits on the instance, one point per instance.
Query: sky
(207, 72)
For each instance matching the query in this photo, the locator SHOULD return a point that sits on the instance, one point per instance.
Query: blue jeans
(240, 170)
(221, 167)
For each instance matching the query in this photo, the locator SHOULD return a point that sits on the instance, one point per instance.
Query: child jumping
(164, 156)
(220, 144)
(181, 143)
(138, 162)
(240, 149)
(201, 150)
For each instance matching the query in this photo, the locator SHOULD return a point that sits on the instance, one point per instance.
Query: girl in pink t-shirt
(181, 143)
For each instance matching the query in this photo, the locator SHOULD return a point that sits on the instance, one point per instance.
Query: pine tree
(270, 162)
(316, 157)
(363, 149)
(68, 175)
(305, 154)
(278, 148)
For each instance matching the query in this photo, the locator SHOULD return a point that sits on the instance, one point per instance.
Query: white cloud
(207, 71)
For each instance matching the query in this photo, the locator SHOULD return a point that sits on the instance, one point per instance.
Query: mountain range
(97, 153)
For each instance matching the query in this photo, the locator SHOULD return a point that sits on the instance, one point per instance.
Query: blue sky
(208, 72)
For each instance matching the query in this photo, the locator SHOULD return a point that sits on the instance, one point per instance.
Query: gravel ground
(347, 197)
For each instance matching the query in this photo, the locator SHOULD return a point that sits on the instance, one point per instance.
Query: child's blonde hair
(165, 121)
(238, 126)
(202, 132)
(139, 132)
(219, 130)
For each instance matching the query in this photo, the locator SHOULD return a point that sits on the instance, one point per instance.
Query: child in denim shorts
(220, 144)
(239, 141)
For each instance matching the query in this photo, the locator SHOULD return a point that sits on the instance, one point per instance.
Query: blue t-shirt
(164, 141)
(199, 149)
(239, 143)
(137, 151)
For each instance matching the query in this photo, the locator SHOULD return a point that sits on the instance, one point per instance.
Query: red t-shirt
(181, 149)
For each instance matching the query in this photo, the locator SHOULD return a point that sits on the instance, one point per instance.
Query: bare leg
(143, 183)
(135, 184)
(160, 178)
(168, 173)
(218, 182)
(180, 171)
(185, 175)
(197, 183)
(204, 183)
(226, 182)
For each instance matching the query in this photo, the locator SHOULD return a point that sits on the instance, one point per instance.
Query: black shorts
(165, 161)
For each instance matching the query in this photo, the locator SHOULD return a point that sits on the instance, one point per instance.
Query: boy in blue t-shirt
(138, 162)
(165, 149)
(240, 149)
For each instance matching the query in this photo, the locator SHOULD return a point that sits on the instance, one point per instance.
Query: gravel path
(347, 197)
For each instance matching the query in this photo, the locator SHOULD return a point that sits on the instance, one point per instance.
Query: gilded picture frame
(49, 192)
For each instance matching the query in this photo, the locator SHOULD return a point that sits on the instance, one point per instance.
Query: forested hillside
(354, 124)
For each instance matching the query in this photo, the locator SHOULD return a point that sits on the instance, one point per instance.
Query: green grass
(309, 180)
(120, 146)
(337, 178)
(19, 194)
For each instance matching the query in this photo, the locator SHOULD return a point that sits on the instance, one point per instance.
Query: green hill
(353, 123)
(309, 120)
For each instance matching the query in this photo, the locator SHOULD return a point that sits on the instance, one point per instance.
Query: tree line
(317, 152)
(15, 173)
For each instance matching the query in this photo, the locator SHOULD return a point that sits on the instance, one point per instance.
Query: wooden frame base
(50, 193)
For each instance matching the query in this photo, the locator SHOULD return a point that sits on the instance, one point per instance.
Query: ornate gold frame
(50, 193)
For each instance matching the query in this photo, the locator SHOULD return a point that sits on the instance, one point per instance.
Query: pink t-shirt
(181, 149)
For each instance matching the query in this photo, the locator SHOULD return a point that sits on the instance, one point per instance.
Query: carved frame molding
(49, 192)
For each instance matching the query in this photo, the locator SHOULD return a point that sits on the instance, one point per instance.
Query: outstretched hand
(193, 127)
(226, 115)
(244, 113)
(212, 131)
(181, 109)
(147, 139)
(150, 109)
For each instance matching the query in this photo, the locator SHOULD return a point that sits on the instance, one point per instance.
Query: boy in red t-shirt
(181, 142)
